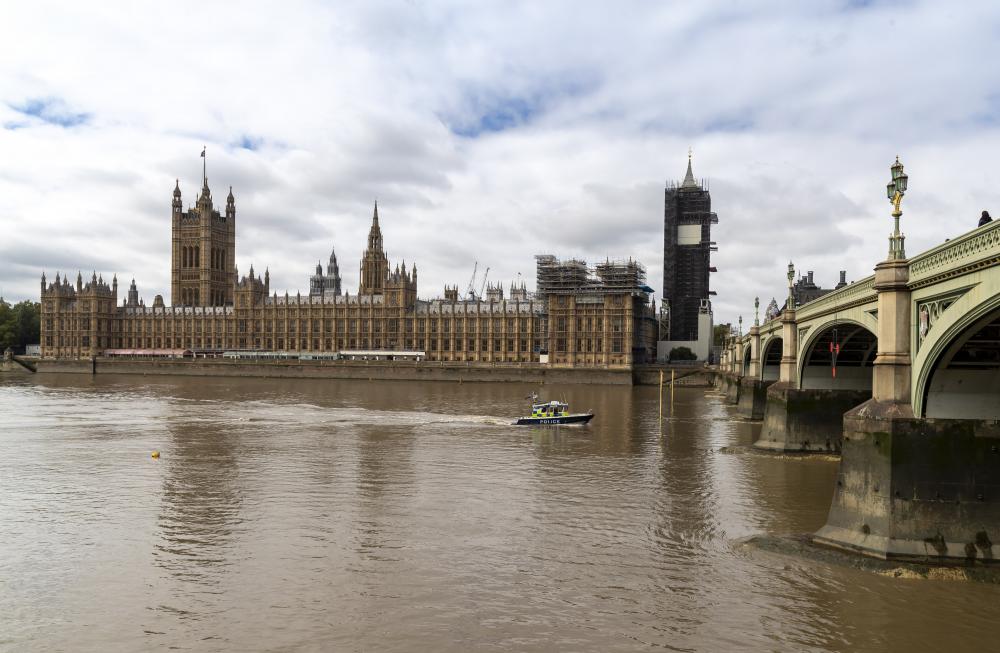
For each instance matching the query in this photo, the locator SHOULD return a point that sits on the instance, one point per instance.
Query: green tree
(682, 354)
(720, 332)
(20, 324)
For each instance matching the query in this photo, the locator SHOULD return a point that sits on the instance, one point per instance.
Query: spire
(689, 181)
(230, 199)
(375, 233)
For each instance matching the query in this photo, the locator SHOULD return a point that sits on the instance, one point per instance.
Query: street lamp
(791, 278)
(756, 311)
(895, 190)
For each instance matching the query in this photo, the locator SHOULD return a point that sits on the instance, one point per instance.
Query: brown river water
(288, 515)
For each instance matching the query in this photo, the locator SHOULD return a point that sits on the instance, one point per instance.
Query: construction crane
(482, 288)
(471, 291)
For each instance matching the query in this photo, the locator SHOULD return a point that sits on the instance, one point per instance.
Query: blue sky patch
(505, 114)
(248, 142)
(52, 111)
(489, 111)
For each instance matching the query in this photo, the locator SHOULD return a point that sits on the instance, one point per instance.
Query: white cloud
(574, 117)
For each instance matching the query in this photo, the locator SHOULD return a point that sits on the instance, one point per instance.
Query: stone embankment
(367, 370)
(383, 370)
(16, 365)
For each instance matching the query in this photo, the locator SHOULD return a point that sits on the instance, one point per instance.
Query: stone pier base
(806, 420)
(733, 389)
(753, 397)
(926, 490)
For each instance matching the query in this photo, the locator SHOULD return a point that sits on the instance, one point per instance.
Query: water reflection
(201, 498)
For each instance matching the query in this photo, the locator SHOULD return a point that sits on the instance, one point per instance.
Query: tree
(720, 332)
(20, 324)
(682, 354)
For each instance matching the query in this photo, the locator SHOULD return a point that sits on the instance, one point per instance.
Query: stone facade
(203, 257)
(599, 325)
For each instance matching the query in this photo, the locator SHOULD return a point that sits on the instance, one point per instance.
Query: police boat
(552, 412)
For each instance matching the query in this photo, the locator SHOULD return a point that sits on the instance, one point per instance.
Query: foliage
(682, 354)
(20, 325)
(720, 332)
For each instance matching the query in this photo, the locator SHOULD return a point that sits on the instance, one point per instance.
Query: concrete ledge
(806, 420)
(925, 490)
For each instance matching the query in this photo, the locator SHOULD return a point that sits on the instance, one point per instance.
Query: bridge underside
(965, 382)
(840, 358)
(770, 360)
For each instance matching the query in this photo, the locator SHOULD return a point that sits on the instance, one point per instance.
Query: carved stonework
(929, 311)
(977, 250)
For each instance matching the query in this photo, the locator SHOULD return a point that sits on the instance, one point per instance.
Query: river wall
(367, 370)
(380, 370)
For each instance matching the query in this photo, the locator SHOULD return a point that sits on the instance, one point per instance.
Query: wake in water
(263, 412)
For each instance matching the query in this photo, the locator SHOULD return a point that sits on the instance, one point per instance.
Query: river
(309, 515)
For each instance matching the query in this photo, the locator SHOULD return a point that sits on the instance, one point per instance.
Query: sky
(491, 132)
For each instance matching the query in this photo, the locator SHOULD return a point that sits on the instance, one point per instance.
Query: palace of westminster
(578, 317)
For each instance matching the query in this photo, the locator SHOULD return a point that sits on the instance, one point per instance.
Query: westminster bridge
(899, 373)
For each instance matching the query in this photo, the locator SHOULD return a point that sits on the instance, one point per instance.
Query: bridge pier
(753, 397)
(918, 489)
(733, 389)
(910, 487)
(798, 420)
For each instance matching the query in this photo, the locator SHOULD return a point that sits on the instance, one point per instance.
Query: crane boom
(471, 290)
(482, 288)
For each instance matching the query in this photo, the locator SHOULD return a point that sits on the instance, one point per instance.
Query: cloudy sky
(491, 132)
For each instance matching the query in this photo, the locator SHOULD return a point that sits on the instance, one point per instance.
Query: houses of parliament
(578, 317)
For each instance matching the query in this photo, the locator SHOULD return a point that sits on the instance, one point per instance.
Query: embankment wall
(381, 370)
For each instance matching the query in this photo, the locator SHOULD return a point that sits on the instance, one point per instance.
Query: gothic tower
(374, 264)
(687, 247)
(326, 284)
(203, 261)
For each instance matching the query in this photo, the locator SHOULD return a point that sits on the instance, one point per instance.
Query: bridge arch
(770, 359)
(957, 369)
(746, 358)
(855, 360)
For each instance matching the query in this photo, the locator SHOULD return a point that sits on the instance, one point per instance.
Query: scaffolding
(555, 277)
(572, 276)
(621, 274)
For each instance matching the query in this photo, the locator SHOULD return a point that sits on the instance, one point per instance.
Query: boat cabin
(550, 409)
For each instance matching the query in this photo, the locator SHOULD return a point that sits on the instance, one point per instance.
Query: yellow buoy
(155, 454)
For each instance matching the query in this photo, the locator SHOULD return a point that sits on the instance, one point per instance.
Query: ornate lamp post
(791, 279)
(756, 311)
(895, 189)
(739, 330)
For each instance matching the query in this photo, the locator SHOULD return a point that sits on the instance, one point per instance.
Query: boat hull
(562, 419)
